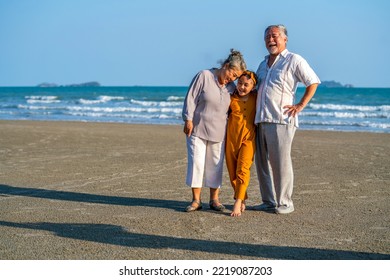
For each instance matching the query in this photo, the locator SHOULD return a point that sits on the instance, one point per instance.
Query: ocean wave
(124, 109)
(156, 103)
(41, 97)
(175, 98)
(343, 123)
(34, 107)
(121, 116)
(89, 102)
(176, 111)
(32, 99)
(100, 99)
(363, 115)
(339, 107)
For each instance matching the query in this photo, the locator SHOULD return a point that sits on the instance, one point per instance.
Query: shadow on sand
(116, 235)
(6, 190)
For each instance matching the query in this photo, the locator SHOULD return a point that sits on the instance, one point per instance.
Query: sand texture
(116, 191)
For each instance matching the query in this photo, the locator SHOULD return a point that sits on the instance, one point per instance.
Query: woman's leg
(196, 155)
(215, 154)
(196, 150)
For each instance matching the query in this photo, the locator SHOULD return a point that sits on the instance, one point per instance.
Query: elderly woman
(205, 114)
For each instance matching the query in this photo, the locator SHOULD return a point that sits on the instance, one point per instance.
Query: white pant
(274, 163)
(204, 158)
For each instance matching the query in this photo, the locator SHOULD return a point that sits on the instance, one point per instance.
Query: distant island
(333, 84)
(88, 84)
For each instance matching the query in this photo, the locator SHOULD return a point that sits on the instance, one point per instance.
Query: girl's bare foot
(236, 208)
(243, 206)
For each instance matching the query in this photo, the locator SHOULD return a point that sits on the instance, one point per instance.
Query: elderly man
(277, 118)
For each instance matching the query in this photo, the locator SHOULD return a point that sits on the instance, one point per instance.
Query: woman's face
(245, 85)
(228, 75)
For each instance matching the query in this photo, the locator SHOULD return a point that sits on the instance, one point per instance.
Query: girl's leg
(237, 208)
(245, 160)
(243, 206)
(231, 164)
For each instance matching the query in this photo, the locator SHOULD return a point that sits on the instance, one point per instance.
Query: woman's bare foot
(237, 208)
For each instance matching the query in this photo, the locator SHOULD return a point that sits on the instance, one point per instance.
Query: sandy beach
(116, 191)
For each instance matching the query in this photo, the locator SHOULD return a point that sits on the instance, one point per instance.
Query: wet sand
(116, 191)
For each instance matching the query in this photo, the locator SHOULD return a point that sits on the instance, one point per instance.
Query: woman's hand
(188, 127)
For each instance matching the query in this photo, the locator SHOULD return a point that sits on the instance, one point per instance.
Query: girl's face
(245, 85)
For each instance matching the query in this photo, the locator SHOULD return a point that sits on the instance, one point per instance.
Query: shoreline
(83, 190)
(177, 124)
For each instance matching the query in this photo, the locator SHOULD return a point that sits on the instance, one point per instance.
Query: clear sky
(165, 43)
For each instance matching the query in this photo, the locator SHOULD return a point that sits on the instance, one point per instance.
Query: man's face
(275, 41)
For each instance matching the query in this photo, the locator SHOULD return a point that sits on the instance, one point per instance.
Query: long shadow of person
(117, 235)
(6, 190)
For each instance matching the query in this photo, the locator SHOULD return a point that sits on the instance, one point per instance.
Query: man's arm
(293, 110)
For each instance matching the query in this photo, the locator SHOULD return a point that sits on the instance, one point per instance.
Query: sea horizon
(156, 86)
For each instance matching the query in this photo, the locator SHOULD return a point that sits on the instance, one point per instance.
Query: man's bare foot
(236, 208)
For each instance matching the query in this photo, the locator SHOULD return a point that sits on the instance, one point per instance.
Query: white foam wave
(125, 109)
(175, 111)
(101, 99)
(175, 98)
(120, 116)
(34, 107)
(338, 107)
(89, 102)
(351, 115)
(156, 103)
(343, 123)
(41, 99)
(110, 98)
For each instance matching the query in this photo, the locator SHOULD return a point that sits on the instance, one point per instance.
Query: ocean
(337, 109)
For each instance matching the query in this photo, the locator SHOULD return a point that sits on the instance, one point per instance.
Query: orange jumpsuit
(240, 143)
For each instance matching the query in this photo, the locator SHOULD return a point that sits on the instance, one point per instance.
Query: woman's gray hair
(281, 27)
(235, 60)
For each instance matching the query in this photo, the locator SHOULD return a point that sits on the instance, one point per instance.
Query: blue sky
(164, 43)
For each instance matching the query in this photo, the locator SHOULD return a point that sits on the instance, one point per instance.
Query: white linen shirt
(278, 85)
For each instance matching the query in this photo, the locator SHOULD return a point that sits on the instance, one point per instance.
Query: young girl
(240, 141)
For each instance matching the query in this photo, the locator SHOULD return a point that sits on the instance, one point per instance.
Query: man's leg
(263, 168)
(280, 138)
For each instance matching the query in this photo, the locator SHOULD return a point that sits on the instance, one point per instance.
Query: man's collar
(283, 54)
